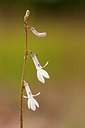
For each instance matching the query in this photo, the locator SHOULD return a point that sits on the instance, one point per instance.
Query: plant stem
(23, 75)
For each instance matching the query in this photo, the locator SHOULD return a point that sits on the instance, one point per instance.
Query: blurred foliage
(63, 47)
(37, 3)
(62, 99)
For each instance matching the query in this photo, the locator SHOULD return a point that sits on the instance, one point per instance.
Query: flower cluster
(41, 73)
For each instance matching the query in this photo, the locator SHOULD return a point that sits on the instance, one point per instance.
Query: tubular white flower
(42, 34)
(32, 103)
(41, 73)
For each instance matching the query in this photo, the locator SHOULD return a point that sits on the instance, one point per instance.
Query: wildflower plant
(41, 73)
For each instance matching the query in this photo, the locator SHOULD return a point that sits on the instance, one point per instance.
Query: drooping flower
(41, 73)
(42, 34)
(32, 103)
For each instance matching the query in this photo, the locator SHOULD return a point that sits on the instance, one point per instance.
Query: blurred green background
(62, 99)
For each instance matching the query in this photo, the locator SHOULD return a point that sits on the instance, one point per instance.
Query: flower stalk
(24, 68)
(41, 73)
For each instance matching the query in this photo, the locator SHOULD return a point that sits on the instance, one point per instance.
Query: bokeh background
(62, 99)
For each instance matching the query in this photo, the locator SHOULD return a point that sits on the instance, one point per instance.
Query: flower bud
(42, 34)
(26, 15)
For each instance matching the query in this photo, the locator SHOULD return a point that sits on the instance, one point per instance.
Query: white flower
(32, 103)
(43, 34)
(41, 73)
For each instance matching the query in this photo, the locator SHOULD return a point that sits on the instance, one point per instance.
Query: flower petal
(44, 73)
(40, 76)
(45, 64)
(25, 97)
(29, 103)
(36, 94)
(36, 103)
(33, 107)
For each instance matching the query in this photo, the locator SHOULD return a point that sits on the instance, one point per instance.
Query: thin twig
(23, 75)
